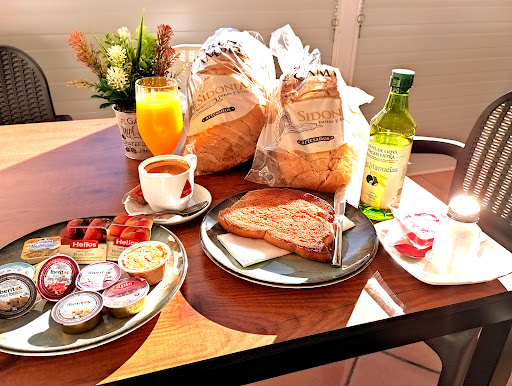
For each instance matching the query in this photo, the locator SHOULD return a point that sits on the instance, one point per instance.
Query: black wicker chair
(483, 171)
(24, 93)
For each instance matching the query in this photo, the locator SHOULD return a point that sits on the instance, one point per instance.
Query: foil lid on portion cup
(18, 267)
(127, 297)
(57, 277)
(39, 249)
(98, 276)
(78, 312)
(18, 294)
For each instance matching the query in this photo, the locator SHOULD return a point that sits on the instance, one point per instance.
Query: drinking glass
(159, 115)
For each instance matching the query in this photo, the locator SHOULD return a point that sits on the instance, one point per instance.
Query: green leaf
(100, 45)
(139, 40)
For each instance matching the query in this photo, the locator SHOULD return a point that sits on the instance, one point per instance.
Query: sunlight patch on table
(376, 302)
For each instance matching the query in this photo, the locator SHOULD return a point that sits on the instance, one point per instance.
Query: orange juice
(160, 121)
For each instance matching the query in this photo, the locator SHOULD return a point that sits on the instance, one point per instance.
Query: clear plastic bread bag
(228, 89)
(315, 136)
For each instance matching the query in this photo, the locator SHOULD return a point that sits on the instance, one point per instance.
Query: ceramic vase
(134, 146)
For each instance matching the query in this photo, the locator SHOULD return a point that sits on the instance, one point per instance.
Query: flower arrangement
(120, 60)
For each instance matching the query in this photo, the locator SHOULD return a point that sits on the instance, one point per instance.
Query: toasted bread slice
(290, 219)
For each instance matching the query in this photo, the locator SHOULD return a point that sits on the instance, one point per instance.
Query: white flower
(116, 56)
(117, 78)
(124, 34)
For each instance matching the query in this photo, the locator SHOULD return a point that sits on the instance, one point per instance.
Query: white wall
(461, 51)
(41, 28)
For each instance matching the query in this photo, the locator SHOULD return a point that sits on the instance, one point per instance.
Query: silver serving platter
(37, 334)
(291, 271)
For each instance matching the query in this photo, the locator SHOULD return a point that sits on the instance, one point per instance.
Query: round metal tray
(37, 334)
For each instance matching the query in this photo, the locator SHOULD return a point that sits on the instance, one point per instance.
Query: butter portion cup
(78, 312)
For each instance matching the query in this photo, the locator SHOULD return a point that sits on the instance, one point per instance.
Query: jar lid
(98, 276)
(464, 209)
(18, 294)
(77, 308)
(401, 78)
(56, 277)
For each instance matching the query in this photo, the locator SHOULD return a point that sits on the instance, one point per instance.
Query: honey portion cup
(153, 272)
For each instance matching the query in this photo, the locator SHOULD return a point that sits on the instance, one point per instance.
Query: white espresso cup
(167, 181)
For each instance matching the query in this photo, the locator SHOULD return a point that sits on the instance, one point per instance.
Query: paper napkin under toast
(251, 251)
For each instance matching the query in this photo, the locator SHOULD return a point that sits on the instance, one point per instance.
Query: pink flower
(85, 52)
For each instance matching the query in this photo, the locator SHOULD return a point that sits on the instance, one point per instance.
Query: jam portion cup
(56, 277)
(98, 276)
(127, 297)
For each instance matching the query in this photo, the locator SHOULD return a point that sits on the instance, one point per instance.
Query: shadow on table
(244, 306)
(111, 356)
(38, 182)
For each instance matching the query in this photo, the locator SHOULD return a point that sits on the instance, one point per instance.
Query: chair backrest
(187, 54)
(484, 169)
(24, 92)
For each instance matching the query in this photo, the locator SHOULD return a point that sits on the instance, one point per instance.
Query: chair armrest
(437, 146)
(63, 118)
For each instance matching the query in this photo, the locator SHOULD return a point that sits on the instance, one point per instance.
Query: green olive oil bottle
(391, 134)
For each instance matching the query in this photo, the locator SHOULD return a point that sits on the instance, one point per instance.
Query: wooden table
(218, 327)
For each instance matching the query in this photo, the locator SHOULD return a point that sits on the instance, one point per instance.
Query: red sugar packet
(419, 226)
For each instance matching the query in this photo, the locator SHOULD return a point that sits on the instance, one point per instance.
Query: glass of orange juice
(159, 115)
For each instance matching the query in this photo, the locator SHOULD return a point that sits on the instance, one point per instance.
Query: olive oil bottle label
(384, 174)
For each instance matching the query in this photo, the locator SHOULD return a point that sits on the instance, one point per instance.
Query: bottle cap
(401, 78)
(464, 209)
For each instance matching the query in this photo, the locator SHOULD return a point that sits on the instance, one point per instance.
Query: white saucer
(200, 194)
